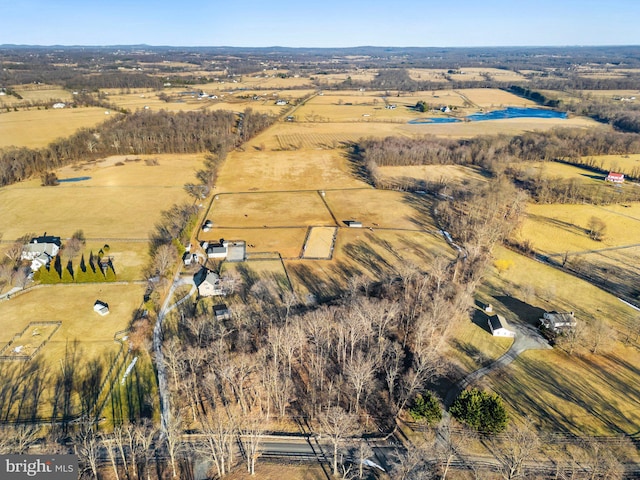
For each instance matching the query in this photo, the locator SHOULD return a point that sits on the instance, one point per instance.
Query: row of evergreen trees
(97, 269)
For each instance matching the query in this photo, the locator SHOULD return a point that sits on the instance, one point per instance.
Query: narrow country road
(163, 388)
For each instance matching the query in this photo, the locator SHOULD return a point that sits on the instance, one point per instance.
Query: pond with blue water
(74, 179)
(511, 112)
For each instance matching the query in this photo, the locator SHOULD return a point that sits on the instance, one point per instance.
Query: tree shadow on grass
(362, 253)
(523, 311)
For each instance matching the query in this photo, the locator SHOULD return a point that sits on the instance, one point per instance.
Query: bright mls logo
(46, 467)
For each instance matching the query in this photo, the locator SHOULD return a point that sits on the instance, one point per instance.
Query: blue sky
(328, 23)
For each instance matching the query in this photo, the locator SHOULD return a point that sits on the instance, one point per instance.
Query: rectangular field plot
(273, 209)
(320, 242)
(286, 241)
(27, 343)
(36, 128)
(291, 170)
(122, 199)
(382, 209)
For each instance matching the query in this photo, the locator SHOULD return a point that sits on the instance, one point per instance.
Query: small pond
(511, 112)
(74, 179)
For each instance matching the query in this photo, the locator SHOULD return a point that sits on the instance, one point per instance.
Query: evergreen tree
(426, 407)
(481, 411)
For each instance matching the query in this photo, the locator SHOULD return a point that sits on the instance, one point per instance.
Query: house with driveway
(40, 250)
(208, 283)
(558, 321)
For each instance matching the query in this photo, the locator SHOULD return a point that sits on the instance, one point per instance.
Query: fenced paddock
(26, 344)
(319, 243)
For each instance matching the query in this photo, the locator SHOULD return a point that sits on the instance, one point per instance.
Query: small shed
(222, 312)
(353, 223)
(101, 308)
(499, 327)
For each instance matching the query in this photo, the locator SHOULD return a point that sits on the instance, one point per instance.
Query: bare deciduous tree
(337, 424)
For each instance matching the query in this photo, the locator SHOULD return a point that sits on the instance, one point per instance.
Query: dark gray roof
(496, 322)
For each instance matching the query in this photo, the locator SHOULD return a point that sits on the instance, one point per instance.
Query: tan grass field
(582, 394)
(73, 306)
(445, 174)
(320, 242)
(494, 98)
(359, 251)
(299, 170)
(335, 78)
(611, 94)
(36, 93)
(381, 209)
(557, 170)
(311, 132)
(428, 74)
(269, 209)
(37, 128)
(627, 164)
(287, 241)
(118, 202)
(512, 126)
(560, 228)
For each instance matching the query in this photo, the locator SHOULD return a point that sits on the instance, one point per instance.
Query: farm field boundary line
(266, 192)
(95, 239)
(546, 260)
(587, 252)
(321, 195)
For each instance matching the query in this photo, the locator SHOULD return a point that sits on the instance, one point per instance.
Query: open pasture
(627, 164)
(37, 128)
(272, 80)
(269, 209)
(286, 241)
(443, 174)
(580, 393)
(511, 126)
(381, 209)
(286, 170)
(118, 201)
(141, 99)
(73, 306)
(36, 94)
(319, 242)
(555, 229)
(336, 78)
(612, 94)
(558, 170)
(301, 135)
(374, 254)
(428, 74)
(494, 98)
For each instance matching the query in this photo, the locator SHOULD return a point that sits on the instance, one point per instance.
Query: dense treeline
(142, 132)
(113, 80)
(499, 155)
(485, 150)
(535, 96)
